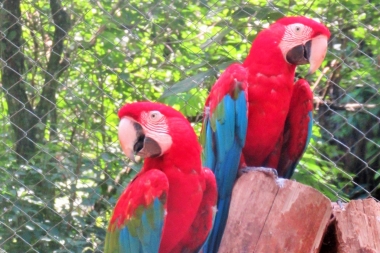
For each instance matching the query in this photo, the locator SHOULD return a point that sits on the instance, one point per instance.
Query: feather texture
(297, 130)
(255, 115)
(138, 218)
(170, 205)
(223, 137)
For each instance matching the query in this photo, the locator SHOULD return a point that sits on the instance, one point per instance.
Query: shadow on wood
(266, 218)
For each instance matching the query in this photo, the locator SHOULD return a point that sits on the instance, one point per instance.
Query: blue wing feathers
(241, 118)
(226, 171)
(158, 222)
(309, 129)
(225, 127)
(225, 174)
(208, 151)
(220, 142)
(138, 219)
(222, 151)
(148, 231)
(128, 242)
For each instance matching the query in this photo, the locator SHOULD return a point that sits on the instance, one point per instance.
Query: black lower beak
(300, 54)
(150, 148)
(145, 146)
(139, 144)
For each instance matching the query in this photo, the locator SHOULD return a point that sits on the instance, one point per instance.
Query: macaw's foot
(268, 171)
(341, 204)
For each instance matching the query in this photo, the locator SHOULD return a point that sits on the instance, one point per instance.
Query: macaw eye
(155, 115)
(154, 121)
(297, 28)
(296, 34)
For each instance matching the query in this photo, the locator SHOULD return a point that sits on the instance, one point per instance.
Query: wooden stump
(357, 226)
(265, 218)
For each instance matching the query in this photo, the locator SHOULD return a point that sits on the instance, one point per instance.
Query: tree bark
(28, 124)
(20, 111)
(47, 105)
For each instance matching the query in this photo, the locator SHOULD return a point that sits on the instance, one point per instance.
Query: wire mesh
(67, 66)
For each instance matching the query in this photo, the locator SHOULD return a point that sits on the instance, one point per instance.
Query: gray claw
(280, 182)
(341, 204)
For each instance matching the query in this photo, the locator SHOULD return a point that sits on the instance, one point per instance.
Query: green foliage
(169, 51)
(320, 173)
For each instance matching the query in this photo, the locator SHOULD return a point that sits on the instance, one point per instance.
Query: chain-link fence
(67, 66)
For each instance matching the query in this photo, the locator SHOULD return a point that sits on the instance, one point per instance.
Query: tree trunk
(19, 109)
(28, 124)
(56, 65)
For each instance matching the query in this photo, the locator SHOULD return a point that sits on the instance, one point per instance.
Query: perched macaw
(170, 205)
(256, 115)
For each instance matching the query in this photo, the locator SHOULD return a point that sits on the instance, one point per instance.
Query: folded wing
(223, 137)
(138, 218)
(297, 131)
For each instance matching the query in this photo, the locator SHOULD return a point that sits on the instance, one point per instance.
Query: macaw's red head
(293, 41)
(150, 129)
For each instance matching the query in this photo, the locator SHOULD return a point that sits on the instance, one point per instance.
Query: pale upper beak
(312, 51)
(127, 136)
(317, 53)
(134, 140)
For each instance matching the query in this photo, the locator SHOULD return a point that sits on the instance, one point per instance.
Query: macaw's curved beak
(134, 141)
(313, 52)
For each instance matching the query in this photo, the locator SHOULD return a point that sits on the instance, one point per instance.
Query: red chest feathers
(269, 99)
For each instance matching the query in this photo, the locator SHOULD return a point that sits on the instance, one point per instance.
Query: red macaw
(169, 206)
(256, 115)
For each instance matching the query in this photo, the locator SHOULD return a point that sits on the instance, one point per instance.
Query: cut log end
(266, 218)
(357, 226)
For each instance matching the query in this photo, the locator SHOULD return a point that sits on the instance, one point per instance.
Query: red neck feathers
(185, 152)
(265, 55)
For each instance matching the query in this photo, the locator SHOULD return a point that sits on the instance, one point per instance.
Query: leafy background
(67, 66)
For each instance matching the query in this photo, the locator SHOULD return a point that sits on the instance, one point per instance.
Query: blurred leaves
(193, 81)
(172, 51)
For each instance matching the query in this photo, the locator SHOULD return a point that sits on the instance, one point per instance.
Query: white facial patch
(294, 35)
(156, 127)
(155, 121)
